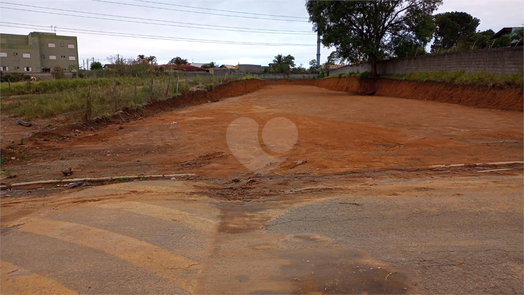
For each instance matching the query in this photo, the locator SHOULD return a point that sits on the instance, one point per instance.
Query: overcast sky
(237, 21)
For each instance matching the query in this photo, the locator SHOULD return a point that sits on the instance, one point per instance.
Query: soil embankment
(191, 98)
(482, 97)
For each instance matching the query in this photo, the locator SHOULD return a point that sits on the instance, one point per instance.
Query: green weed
(8, 173)
(465, 79)
(83, 99)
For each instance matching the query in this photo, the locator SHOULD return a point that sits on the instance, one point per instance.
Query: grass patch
(8, 173)
(465, 79)
(80, 99)
(355, 74)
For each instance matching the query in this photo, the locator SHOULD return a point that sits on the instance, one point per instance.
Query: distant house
(229, 67)
(509, 31)
(197, 64)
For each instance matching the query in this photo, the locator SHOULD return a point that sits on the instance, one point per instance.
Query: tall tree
(282, 64)
(453, 28)
(365, 30)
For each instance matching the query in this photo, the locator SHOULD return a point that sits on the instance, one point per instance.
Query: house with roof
(197, 64)
(229, 67)
(512, 32)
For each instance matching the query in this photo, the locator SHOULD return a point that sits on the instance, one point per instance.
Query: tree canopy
(209, 65)
(453, 28)
(177, 61)
(369, 30)
(146, 59)
(96, 66)
(282, 64)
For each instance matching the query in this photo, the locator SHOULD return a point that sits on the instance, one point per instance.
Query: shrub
(209, 87)
(365, 74)
(14, 77)
(58, 72)
(96, 66)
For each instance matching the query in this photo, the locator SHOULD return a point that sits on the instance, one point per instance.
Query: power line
(189, 11)
(127, 19)
(154, 37)
(223, 10)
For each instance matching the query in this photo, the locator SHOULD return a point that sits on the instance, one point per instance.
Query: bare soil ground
(373, 198)
(338, 133)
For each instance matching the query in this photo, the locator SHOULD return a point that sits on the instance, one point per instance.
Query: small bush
(58, 72)
(14, 77)
(209, 87)
(365, 74)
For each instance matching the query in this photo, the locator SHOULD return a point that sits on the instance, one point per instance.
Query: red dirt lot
(337, 133)
(357, 206)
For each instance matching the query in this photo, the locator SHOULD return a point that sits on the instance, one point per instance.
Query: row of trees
(375, 30)
(143, 65)
(141, 60)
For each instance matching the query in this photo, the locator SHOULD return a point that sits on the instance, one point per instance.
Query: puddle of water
(329, 271)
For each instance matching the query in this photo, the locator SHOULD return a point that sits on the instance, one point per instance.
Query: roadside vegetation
(465, 79)
(85, 99)
(455, 78)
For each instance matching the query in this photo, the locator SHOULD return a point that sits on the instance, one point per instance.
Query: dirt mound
(482, 97)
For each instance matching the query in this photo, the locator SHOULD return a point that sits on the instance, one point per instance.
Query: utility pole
(318, 47)
(318, 43)
(87, 60)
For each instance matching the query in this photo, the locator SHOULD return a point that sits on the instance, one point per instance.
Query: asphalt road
(460, 235)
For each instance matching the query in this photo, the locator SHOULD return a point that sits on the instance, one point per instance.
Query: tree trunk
(373, 61)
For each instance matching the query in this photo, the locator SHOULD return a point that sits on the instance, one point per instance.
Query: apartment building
(37, 52)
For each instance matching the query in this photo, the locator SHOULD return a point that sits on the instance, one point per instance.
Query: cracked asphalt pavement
(428, 235)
